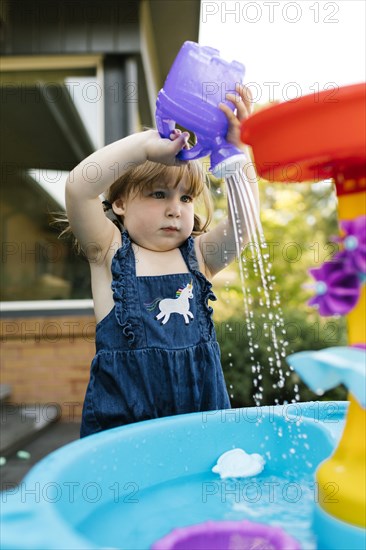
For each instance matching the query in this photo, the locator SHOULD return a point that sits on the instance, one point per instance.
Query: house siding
(38, 27)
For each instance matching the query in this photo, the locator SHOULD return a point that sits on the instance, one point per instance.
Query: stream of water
(248, 232)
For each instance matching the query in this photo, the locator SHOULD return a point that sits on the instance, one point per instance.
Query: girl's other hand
(243, 108)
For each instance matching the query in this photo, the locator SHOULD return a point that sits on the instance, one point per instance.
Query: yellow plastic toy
(310, 139)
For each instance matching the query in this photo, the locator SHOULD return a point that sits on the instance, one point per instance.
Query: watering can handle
(166, 127)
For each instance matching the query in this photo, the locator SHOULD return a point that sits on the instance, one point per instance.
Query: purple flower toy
(337, 289)
(354, 244)
(338, 283)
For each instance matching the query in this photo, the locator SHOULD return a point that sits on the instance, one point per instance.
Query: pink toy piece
(227, 535)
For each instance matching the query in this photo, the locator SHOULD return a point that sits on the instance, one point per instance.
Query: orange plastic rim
(310, 138)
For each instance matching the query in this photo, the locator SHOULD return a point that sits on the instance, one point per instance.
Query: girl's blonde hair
(144, 176)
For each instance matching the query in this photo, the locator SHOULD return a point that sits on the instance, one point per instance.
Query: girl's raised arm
(95, 174)
(218, 247)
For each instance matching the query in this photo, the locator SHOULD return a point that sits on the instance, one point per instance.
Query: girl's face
(160, 218)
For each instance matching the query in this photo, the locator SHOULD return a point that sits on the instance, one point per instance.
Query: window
(52, 118)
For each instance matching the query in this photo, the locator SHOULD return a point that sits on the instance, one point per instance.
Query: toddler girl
(156, 349)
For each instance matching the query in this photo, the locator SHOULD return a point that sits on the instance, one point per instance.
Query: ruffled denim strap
(123, 287)
(205, 313)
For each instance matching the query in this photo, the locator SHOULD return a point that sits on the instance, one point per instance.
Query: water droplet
(23, 455)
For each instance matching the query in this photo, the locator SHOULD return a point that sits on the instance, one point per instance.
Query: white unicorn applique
(179, 304)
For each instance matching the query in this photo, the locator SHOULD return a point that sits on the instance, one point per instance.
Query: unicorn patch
(179, 304)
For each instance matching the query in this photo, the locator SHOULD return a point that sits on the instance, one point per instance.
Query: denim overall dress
(156, 351)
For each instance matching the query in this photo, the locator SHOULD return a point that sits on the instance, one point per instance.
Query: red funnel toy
(311, 138)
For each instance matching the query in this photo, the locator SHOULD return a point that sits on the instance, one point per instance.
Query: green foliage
(298, 222)
(301, 333)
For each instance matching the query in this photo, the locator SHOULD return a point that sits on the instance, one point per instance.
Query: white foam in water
(238, 463)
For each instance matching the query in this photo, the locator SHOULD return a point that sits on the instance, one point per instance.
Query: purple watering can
(197, 82)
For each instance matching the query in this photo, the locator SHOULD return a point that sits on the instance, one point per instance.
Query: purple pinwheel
(338, 282)
(354, 245)
(337, 288)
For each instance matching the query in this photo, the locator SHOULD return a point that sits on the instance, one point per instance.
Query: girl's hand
(164, 150)
(244, 107)
(176, 133)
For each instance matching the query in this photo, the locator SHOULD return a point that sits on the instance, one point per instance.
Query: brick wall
(47, 360)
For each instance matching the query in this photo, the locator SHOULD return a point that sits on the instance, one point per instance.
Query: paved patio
(54, 436)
